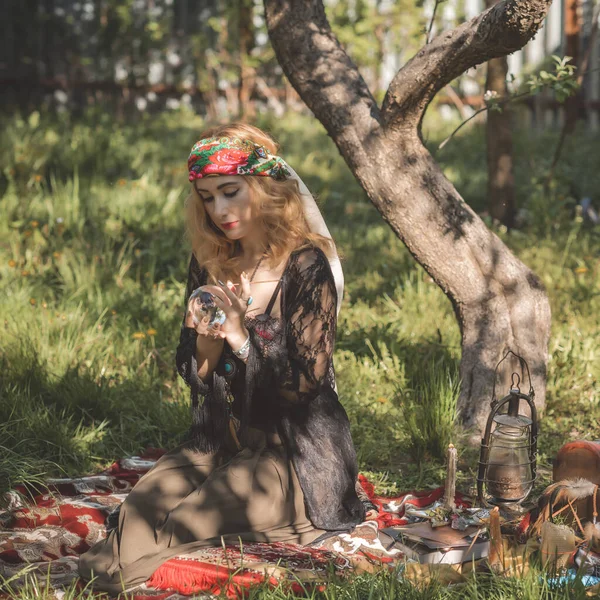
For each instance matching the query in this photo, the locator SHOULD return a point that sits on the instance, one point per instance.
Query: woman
(269, 456)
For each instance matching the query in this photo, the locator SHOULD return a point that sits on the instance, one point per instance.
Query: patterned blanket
(42, 533)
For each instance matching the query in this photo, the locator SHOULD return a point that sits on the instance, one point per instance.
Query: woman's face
(226, 199)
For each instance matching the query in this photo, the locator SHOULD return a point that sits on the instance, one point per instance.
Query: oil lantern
(507, 460)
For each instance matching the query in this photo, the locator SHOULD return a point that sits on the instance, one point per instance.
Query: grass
(92, 274)
(396, 584)
(429, 411)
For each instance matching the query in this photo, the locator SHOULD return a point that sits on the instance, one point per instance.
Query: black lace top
(287, 385)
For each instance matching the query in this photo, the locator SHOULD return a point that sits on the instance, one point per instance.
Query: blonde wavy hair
(277, 206)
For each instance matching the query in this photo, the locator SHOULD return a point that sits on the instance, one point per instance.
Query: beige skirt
(189, 501)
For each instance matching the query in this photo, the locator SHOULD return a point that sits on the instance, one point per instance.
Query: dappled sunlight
(93, 270)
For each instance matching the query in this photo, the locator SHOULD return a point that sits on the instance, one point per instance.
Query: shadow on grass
(76, 423)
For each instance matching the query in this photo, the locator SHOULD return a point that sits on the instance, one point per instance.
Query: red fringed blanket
(48, 530)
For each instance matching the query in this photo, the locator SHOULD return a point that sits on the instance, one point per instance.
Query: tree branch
(430, 28)
(498, 31)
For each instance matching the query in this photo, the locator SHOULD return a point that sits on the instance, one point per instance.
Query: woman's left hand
(234, 306)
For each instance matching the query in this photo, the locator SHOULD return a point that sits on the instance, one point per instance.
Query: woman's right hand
(209, 344)
(208, 334)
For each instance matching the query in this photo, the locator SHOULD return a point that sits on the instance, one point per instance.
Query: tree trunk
(499, 146)
(211, 95)
(246, 79)
(498, 301)
(226, 58)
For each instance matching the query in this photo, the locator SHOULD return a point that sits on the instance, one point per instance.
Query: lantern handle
(515, 380)
(524, 367)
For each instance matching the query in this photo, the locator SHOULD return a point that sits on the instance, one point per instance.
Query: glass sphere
(204, 306)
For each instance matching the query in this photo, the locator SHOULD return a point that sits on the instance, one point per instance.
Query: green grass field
(92, 272)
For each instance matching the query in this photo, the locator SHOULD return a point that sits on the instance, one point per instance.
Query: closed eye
(230, 195)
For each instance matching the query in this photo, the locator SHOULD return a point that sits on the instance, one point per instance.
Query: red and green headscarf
(234, 156)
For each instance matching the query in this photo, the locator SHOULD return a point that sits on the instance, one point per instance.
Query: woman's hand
(206, 333)
(234, 305)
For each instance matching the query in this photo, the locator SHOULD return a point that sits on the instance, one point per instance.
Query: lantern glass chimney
(510, 475)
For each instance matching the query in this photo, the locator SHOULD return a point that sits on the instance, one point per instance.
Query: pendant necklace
(249, 301)
(256, 268)
(229, 365)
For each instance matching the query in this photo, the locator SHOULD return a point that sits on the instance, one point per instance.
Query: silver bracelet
(243, 351)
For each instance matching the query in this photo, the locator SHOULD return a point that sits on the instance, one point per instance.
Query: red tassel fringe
(188, 577)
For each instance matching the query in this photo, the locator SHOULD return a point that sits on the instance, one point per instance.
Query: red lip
(229, 225)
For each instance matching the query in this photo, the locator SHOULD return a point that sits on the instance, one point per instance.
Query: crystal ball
(204, 306)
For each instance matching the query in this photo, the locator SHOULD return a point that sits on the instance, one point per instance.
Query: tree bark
(498, 301)
(499, 145)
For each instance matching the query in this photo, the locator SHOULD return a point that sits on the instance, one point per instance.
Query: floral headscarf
(234, 156)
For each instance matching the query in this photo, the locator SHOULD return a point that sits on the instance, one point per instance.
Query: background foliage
(92, 271)
(92, 274)
(100, 110)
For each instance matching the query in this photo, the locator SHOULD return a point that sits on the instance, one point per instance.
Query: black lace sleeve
(208, 399)
(310, 315)
(312, 422)
(185, 357)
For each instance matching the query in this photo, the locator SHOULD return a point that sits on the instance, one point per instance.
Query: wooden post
(572, 33)
(450, 490)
